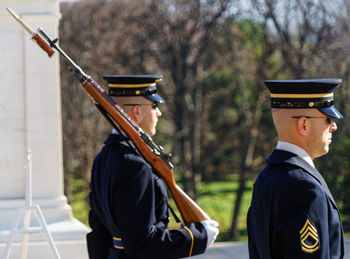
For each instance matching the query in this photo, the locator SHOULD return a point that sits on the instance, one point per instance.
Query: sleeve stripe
(191, 241)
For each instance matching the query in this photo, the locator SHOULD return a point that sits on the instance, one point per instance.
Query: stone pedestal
(30, 117)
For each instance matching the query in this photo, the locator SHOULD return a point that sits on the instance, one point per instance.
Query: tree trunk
(247, 163)
(234, 231)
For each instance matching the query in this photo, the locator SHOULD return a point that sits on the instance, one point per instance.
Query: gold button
(137, 92)
(311, 104)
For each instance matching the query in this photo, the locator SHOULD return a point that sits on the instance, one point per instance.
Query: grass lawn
(217, 200)
(80, 208)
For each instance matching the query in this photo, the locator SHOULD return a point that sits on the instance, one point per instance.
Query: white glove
(211, 226)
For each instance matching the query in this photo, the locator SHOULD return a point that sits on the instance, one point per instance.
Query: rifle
(153, 154)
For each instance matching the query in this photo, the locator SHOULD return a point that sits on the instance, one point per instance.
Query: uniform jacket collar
(114, 139)
(118, 139)
(285, 157)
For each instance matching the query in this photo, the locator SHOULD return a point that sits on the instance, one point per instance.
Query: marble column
(30, 118)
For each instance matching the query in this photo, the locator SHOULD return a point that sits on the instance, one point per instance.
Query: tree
(182, 43)
(246, 70)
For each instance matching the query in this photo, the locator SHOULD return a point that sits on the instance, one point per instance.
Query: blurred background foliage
(215, 56)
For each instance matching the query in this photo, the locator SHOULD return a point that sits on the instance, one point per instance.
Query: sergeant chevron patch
(309, 237)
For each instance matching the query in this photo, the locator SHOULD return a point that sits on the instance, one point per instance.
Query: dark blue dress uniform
(293, 213)
(129, 213)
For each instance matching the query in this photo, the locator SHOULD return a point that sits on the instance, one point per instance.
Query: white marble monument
(30, 118)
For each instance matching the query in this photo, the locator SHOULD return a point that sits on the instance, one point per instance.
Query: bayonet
(25, 26)
(35, 35)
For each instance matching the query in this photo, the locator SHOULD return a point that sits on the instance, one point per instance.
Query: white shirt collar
(286, 146)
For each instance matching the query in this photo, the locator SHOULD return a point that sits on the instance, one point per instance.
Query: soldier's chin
(326, 149)
(151, 133)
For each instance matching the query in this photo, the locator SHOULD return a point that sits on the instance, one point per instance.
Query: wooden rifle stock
(153, 154)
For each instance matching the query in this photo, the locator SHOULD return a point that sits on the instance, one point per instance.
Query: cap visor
(155, 98)
(331, 111)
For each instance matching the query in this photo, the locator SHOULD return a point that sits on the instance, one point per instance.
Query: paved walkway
(239, 250)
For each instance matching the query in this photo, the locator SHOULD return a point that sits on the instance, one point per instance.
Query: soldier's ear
(303, 126)
(137, 113)
(134, 113)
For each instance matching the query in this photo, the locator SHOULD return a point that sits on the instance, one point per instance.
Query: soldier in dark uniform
(292, 212)
(129, 213)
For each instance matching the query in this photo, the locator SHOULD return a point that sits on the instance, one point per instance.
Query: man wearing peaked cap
(293, 214)
(129, 213)
(139, 98)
